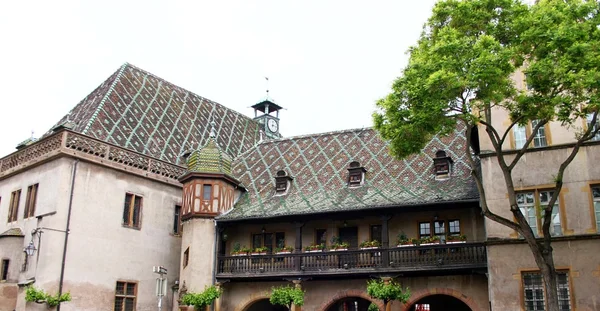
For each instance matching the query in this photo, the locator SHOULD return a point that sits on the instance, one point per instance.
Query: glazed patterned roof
(319, 164)
(209, 159)
(139, 111)
(12, 232)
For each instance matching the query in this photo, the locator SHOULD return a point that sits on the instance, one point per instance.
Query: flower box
(283, 253)
(239, 254)
(429, 244)
(367, 248)
(314, 251)
(338, 249)
(258, 254)
(456, 242)
(405, 245)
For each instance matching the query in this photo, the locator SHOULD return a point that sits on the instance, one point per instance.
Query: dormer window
(442, 165)
(356, 174)
(282, 182)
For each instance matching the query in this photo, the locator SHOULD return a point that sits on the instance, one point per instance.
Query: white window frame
(527, 202)
(539, 139)
(596, 202)
(588, 122)
(520, 134)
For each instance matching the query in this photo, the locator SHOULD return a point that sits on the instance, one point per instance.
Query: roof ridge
(106, 95)
(316, 135)
(191, 92)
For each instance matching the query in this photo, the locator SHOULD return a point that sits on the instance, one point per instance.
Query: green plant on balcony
(287, 296)
(33, 294)
(369, 244)
(284, 249)
(260, 250)
(339, 246)
(402, 239)
(387, 291)
(430, 240)
(238, 250)
(201, 300)
(457, 238)
(315, 247)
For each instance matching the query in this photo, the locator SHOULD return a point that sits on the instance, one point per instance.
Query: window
(177, 220)
(186, 257)
(4, 271)
(321, 236)
(442, 165)
(206, 192)
(282, 182)
(596, 198)
(422, 307)
(13, 208)
(268, 240)
(540, 136)
(132, 210)
(356, 174)
(520, 136)
(533, 295)
(30, 201)
(527, 203)
(424, 229)
(454, 226)
(376, 233)
(595, 126)
(125, 296)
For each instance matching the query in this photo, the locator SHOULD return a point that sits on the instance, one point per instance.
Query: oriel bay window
(268, 240)
(529, 200)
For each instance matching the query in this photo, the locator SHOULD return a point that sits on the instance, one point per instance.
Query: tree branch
(527, 142)
(509, 129)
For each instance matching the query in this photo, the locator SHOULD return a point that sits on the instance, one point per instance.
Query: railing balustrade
(413, 258)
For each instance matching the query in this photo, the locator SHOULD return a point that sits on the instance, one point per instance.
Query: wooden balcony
(410, 260)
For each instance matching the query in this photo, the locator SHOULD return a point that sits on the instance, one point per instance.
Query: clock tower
(263, 114)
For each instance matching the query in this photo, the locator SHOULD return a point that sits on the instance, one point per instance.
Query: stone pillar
(218, 301)
(298, 285)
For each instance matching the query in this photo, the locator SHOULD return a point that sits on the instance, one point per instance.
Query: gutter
(64, 255)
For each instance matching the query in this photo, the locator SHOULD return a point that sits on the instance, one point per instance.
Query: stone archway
(251, 300)
(415, 297)
(348, 294)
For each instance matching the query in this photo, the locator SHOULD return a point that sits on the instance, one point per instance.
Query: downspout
(64, 256)
(215, 264)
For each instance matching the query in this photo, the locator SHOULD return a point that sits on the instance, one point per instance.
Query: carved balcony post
(385, 241)
(298, 246)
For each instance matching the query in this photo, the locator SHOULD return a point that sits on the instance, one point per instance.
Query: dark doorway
(350, 304)
(265, 305)
(350, 236)
(439, 303)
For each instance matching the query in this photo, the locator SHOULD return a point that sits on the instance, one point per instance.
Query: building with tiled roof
(144, 173)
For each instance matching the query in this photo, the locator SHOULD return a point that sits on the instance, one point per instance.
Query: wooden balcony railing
(399, 259)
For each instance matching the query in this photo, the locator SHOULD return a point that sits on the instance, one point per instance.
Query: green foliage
(391, 291)
(203, 299)
(33, 294)
(286, 295)
(373, 307)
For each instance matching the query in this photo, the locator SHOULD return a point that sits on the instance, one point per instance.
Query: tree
(287, 296)
(387, 291)
(460, 72)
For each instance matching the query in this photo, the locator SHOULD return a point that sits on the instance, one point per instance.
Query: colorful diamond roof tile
(319, 164)
(136, 110)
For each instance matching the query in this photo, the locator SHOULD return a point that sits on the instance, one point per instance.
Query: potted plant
(403, 241)
(341, 246)
(453, 239)
(430, 241)
(369, 244)
(313, 248)
(260, 251)
(239, 251)
(284, 250)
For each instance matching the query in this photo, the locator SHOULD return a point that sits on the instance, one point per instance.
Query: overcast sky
(327, 61)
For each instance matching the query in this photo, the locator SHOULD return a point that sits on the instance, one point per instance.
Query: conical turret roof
(210, 158)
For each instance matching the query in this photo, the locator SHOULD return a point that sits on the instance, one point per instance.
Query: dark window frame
(564, 284)
(126, 295)
(130, 218)
(263, 240)
(177, 226)
(30, 201)
(186, 257)
(13, 208)
(4, 271)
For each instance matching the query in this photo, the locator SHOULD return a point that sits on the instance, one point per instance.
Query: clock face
(272, 125)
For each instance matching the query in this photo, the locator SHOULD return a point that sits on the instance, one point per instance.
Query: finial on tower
(213, 132)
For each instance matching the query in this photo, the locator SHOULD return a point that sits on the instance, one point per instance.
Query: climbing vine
(203, 299)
